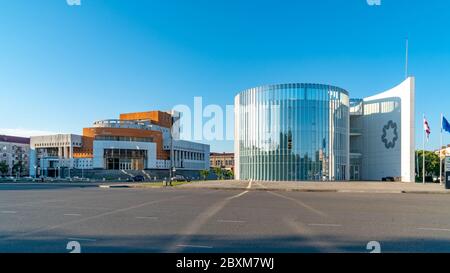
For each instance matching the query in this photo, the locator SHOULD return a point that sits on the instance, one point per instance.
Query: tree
(4, 168)
(204, 174)
(228, 174)
(432, 162)
(219, 173)
(18, 168)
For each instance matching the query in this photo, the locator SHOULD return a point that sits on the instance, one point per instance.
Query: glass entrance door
(354, 172)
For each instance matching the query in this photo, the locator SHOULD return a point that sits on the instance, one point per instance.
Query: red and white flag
(426, 128)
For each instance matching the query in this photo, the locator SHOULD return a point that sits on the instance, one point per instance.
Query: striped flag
(426, 128)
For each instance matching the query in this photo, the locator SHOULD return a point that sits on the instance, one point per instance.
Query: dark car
(388, 179)
(138, 178)
(180, 178)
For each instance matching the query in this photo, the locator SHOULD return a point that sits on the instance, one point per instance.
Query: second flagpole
(423, 153)
(440, 150)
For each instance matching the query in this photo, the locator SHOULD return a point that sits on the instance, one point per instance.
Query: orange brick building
(135, 141)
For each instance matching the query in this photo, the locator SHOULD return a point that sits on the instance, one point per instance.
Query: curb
(114, 186)
(426, 192)
(282, 190)
(325, 190)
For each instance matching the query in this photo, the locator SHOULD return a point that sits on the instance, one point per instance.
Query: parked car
(180, 178)
(388, 179)
(138, 178)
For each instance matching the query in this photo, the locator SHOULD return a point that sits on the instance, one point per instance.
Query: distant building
(14, 151)
(222, 160)
(443, 152)
(134, 142)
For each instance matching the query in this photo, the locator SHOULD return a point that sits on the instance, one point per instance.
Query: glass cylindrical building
(292, 132)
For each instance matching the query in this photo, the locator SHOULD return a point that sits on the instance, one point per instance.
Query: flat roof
(14, 139)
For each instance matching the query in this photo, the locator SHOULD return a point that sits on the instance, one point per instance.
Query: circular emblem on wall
(390, 135)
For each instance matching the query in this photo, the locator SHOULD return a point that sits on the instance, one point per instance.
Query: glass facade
(125, 159)
(292, 132)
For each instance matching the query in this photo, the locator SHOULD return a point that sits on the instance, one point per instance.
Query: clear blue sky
(62, 67)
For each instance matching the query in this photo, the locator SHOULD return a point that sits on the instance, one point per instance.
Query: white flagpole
(423, 152)
(406, 65)
(440, 149)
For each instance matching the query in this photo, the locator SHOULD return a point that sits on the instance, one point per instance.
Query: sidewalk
(344, 187)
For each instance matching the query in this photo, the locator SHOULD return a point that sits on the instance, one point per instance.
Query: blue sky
(62, 67)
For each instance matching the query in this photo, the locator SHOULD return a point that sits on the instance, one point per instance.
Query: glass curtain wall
(125, 159)
(293, 132)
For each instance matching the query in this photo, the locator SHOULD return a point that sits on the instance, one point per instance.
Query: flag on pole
(445, 125)
(426, 128)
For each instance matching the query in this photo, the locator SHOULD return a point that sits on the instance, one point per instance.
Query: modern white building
(382, 135)
(49, 155)
(314, 132)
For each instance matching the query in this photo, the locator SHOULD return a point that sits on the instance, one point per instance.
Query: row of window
(293, 132)
(49, 144)
(222, 162)
(124, 138)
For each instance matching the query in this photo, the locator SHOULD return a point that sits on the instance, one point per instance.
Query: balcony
(117, 123)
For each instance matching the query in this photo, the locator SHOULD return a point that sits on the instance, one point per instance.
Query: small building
(443, 152)
(14, 151)
(222, 160)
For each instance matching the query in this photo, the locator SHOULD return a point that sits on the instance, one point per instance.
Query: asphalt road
(44, 218)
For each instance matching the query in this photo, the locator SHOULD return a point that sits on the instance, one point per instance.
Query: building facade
(14, 151)
(292, 132)
(382, 135)
(314, 132)
(222, 160)
(134, 142)
(443, 152)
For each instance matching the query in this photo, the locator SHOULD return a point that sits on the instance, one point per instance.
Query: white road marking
(230, 221)
(45, 229)
(72, 214)
(312, 236)
(298, 202)
(147, 217)
(8, 212)
(200, 221)
(434, 229)
(249, 184)
(82, 239)
(237, 195)
(324, 225)
(194, 246)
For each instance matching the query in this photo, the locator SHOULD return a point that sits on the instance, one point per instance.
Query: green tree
(4, 168)
(219, 173)
(18, 168)
(431, 164)
(229, 174)
(204, 174)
